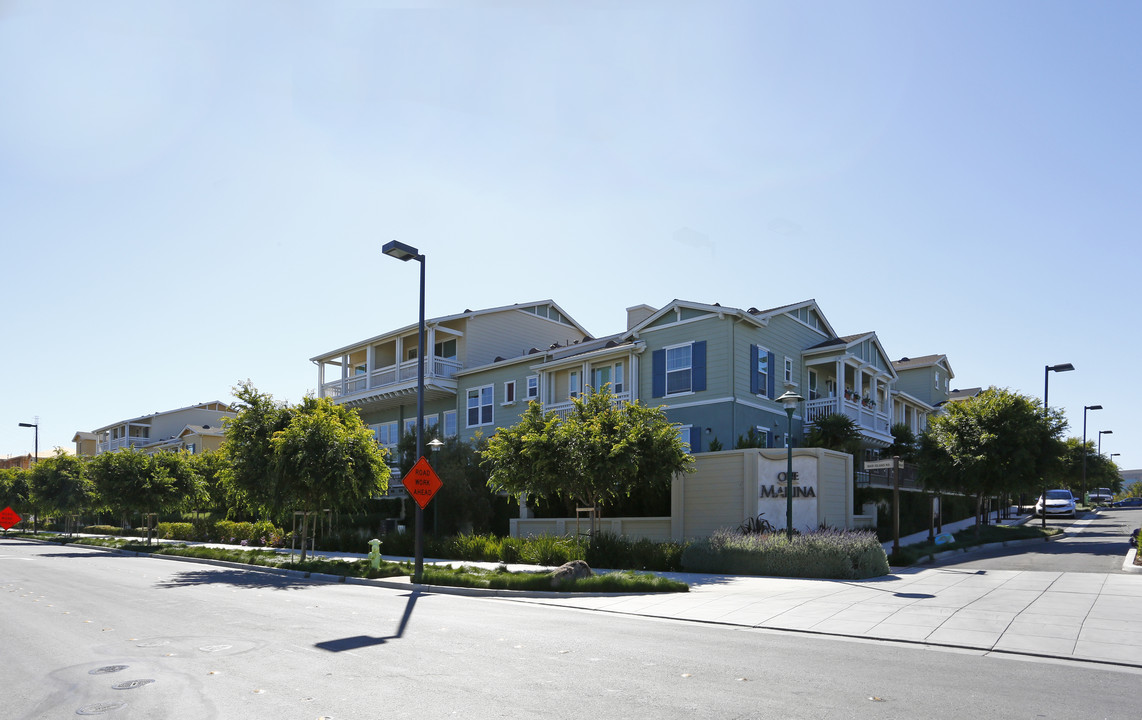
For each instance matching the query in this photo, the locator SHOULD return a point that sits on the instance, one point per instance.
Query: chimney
(637, 314)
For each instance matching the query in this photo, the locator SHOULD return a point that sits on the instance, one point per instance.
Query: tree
(318, 456)
(248, 478)
(464, 501)
(995, 442)
(602, 450)
(904, 443)
(60, 484)
(14, 489)
(130, 481)
(835, 431)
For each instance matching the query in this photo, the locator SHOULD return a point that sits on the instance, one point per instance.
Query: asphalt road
(1094, 542)
(88, 632)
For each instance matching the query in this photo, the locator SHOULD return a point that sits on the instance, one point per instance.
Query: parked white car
(1059, 502)
(1101, 495)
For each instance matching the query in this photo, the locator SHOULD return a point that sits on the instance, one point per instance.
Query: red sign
(8, 518)
(421, 482)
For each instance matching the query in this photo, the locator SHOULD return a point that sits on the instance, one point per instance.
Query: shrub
(837, 554)
(612, 551)
(175, 531)
(102, 530)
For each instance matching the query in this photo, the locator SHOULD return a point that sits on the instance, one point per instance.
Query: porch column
(429, 354)
(840, 383)
(344, 373)
(321, 378)
(370, 365)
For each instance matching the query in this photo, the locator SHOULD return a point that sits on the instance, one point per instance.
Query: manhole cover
(106, 669)
(100, 708)
(131, 684)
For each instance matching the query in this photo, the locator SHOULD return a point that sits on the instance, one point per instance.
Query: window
(450, 423)
(533, 387)
(386, 433)
(509, 391)
(788, 370)
(678, 370)
(480, 406)
(761, 378)
(602, 378)
(430, 421)
(445, 349)
(692, 436)
(573, 384)
(620, 384)
(813, 394)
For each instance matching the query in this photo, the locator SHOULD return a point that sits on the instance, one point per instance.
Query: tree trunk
(978, 513)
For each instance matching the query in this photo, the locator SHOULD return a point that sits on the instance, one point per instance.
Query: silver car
(1059, 502)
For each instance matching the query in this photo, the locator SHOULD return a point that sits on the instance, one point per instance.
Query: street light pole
(404, 253)
(789, 400)
(1085, 408)
(1063, 367)
(36, 425)
(1103, 432)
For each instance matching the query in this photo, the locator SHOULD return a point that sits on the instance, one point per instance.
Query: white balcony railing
(563, 409)
(119, 443)
(437, 367)
(875, 419)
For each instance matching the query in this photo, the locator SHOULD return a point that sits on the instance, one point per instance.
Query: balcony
(120, 443)
(563, 409)
(394, 380)
(873, 422)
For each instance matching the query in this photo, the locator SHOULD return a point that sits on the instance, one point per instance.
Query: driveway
(1095, 542)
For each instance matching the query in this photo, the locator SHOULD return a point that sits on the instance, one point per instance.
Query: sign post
(422, 482)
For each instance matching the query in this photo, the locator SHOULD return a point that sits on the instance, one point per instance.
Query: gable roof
(450, 318)
(760, 318)
(849, 341)
(923, 361)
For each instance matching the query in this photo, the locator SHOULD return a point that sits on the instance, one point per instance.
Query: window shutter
(698, 366)
(772, 373)
(658, 372)
(695, 439)
(754, 385)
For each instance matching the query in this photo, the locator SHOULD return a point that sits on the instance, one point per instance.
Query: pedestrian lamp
(789, 401)
(1048, 369)
(1085, 408)
(403, 252)
(435, 446)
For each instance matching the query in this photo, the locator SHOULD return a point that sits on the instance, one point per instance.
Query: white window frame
(789, 370)
(574, 387)
(509, 392)
(763, 379)
(684, 432)
(532, 387)
(393, 433)
(450, 415)
(480, 405)
(618, 384)
(689, 370)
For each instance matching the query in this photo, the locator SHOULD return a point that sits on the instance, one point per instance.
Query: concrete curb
(935, 557)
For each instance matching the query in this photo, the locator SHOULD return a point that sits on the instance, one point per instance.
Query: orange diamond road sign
(8, 518)
(421, 482)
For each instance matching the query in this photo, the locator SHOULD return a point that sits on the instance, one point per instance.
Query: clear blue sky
(196, 193)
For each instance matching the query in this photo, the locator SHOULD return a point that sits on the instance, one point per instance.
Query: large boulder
(574, 570)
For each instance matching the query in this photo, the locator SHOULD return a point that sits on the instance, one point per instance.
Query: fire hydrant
(375, 554)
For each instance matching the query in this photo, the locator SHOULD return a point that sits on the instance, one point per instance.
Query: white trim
(512, 399)
(696, 404)
(676, 323)
(479, 406)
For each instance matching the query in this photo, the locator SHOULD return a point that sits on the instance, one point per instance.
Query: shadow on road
(251, 578)
(362, 641)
